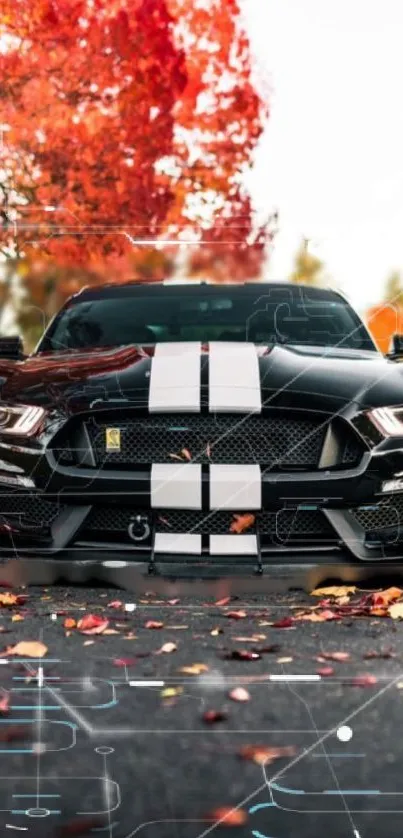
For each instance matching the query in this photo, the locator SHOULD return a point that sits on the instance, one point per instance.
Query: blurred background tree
(308, 269)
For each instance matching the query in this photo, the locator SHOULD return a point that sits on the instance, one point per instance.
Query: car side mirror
(12, 348)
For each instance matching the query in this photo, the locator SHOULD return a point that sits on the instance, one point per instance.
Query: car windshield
(141, 317)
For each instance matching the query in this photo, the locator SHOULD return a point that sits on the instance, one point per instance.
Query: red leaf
(241, 523)
(116, 603)
(124, 661)
(237, 615)
(265, 755)
(80, 827)
(213, 716)
(223, 601)
(335, 656)
(325, 671)
(284, 623)
(5, 704)
(364, 681)
(92, 624)
(153, 624)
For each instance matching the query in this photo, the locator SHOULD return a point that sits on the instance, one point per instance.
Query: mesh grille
(28, 510)
(213, 439)
(388, 514)
(290, 523)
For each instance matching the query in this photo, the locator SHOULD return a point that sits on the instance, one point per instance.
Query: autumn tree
(308, 269)
(125, 123)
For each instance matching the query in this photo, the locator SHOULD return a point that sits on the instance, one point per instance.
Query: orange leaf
(228, 816)
(385, 597)
(69, 623)
(8, 599)
(264, 755)
(27, 649)
(194, 669)
(242, 523)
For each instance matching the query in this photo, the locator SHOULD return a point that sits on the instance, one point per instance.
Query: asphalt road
(162, 769)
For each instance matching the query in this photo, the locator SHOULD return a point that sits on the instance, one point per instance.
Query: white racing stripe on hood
(176, 486)
(233, 545)
(235, 487)
(175, 378)
(234, 378)
(177, 543)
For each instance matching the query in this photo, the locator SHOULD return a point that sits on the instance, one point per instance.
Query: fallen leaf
(17, 618)
(153, 624)
(194, 669)
(284, 660)
(110, 631)
(284, 623)
(334, 656)
(335, 590)
(318, 616)
(92, 624)
(176, 457)
(254, 638)
(171, 692)
(208, 450)
(80, 827)
(167, 649)
(186, 454)
(124, 661)
(88, 642)
(264, 755)
(15, 733)
(5, 704)
(325, 671)
(364, 681)
(8, 598)
(384, 654)
(237, 615)
(116, 603)
(69, 623)
(173, 601)
(387, 596)
(226, 816)
(241, 523)
(216, 631)
(223, 601)
(239, 694)
(242, 655)
(27, 649)
(213, 716)
(396, 611)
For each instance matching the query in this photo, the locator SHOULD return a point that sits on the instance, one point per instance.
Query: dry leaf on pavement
(396, 611)
(92, 624)
(239, 694)
(213, 716)
(27, 649)
(264, 754)
(334, 590)
(194, 669)
(227, 816)
(166, 649)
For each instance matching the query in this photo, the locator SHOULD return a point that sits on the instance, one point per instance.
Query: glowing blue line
(353, 791)
(261, 806)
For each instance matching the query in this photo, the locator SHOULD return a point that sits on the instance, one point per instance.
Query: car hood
(290, 376)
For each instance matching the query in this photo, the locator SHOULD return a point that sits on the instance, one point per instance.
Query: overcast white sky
(331, 159)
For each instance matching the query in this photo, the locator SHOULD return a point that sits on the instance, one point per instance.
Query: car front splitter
(173, 578)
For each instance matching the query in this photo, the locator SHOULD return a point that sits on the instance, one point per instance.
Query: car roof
(173, 288)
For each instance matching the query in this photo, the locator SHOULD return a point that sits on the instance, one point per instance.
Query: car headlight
(20, 420)
(388, 420)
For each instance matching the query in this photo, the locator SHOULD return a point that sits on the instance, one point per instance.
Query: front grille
(28, 510)
(388, 513)
(275, 441)
(285, 525)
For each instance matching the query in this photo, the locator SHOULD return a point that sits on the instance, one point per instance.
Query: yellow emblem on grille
(112, 439)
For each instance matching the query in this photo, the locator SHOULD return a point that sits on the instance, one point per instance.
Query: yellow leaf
(194, 669)
(334, 590)
(16, 618)
(171, 692)
(396, 611)
(27, 649)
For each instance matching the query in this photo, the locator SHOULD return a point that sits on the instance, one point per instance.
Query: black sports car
(203, 426)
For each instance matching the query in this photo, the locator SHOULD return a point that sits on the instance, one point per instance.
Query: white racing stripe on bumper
(175, 378)
(234, 378)
(177, 543)
(176, 486)
(233, 545)
(235, 487)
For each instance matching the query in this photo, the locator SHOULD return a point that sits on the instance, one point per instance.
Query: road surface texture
(137, 731)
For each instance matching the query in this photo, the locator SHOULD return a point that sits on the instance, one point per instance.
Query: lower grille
(388, 513)
(28, 511)
(285, 526)
(281, 442)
